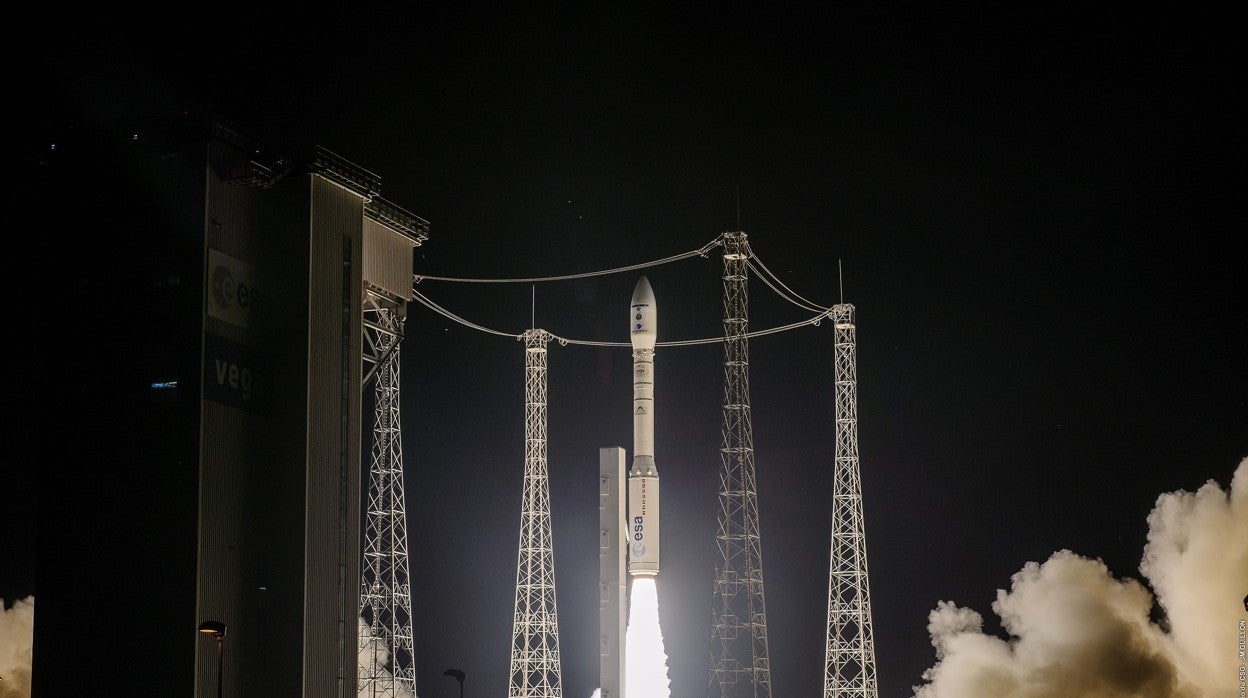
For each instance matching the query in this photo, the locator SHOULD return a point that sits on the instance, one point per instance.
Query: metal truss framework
(850, 654)
(740, 665)
(386, 651)
(535, 671)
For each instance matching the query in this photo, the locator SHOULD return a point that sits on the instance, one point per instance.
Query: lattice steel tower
(386, 658)
(740, 666)
(850, 655)
(535, 630)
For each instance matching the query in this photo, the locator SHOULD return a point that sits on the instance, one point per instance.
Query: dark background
(1037, 214)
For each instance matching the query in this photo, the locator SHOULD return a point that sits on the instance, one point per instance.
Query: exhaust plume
(17, 635)
(1077, 632)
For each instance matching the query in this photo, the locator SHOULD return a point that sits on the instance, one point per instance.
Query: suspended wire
(762, 271)
(768, 277)
(419, 297)
(564, 341)
(709, 340)
(700, 252)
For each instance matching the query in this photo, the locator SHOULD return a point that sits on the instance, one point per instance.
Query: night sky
(1039, 217)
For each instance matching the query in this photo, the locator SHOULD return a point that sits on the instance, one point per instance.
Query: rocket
(643, 477)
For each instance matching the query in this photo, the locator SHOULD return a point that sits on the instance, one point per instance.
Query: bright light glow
(646, 659)
(373, 658)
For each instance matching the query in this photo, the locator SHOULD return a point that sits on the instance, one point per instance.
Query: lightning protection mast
(740, 667)
(387, 664)
(535, 669)
(850, 657)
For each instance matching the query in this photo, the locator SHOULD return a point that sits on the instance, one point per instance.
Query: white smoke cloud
(373, 657)
(17, 636)
(1077, 632)
(1197, 561)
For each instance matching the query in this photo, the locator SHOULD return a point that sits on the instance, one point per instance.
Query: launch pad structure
(740, 664)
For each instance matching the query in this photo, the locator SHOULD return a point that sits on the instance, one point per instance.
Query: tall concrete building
(200, 438)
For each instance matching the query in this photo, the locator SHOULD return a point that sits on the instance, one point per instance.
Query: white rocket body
(643, 476)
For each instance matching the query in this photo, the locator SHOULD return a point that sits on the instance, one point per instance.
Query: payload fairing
(643, 477)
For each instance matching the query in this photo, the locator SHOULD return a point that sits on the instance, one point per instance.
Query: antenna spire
(738, 189)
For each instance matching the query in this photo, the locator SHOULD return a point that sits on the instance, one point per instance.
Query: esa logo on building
(229, 293)
(233, 295)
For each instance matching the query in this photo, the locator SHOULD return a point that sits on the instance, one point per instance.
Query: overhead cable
(768, 277)
(700, 252)
(753, 262)
(425, 301)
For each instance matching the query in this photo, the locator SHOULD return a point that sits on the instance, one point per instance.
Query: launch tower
(535, 671)
(850, 655)
(387, 656)
(740, 666)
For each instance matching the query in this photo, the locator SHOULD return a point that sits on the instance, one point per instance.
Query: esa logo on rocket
(638, 548)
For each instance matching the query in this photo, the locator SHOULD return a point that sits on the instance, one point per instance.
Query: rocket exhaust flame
(647, 658)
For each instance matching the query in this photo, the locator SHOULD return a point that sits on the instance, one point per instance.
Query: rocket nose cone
(643, 293)
(643, 316)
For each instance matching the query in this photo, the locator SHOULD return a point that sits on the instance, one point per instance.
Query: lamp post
(217, 629)
(458, 676)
